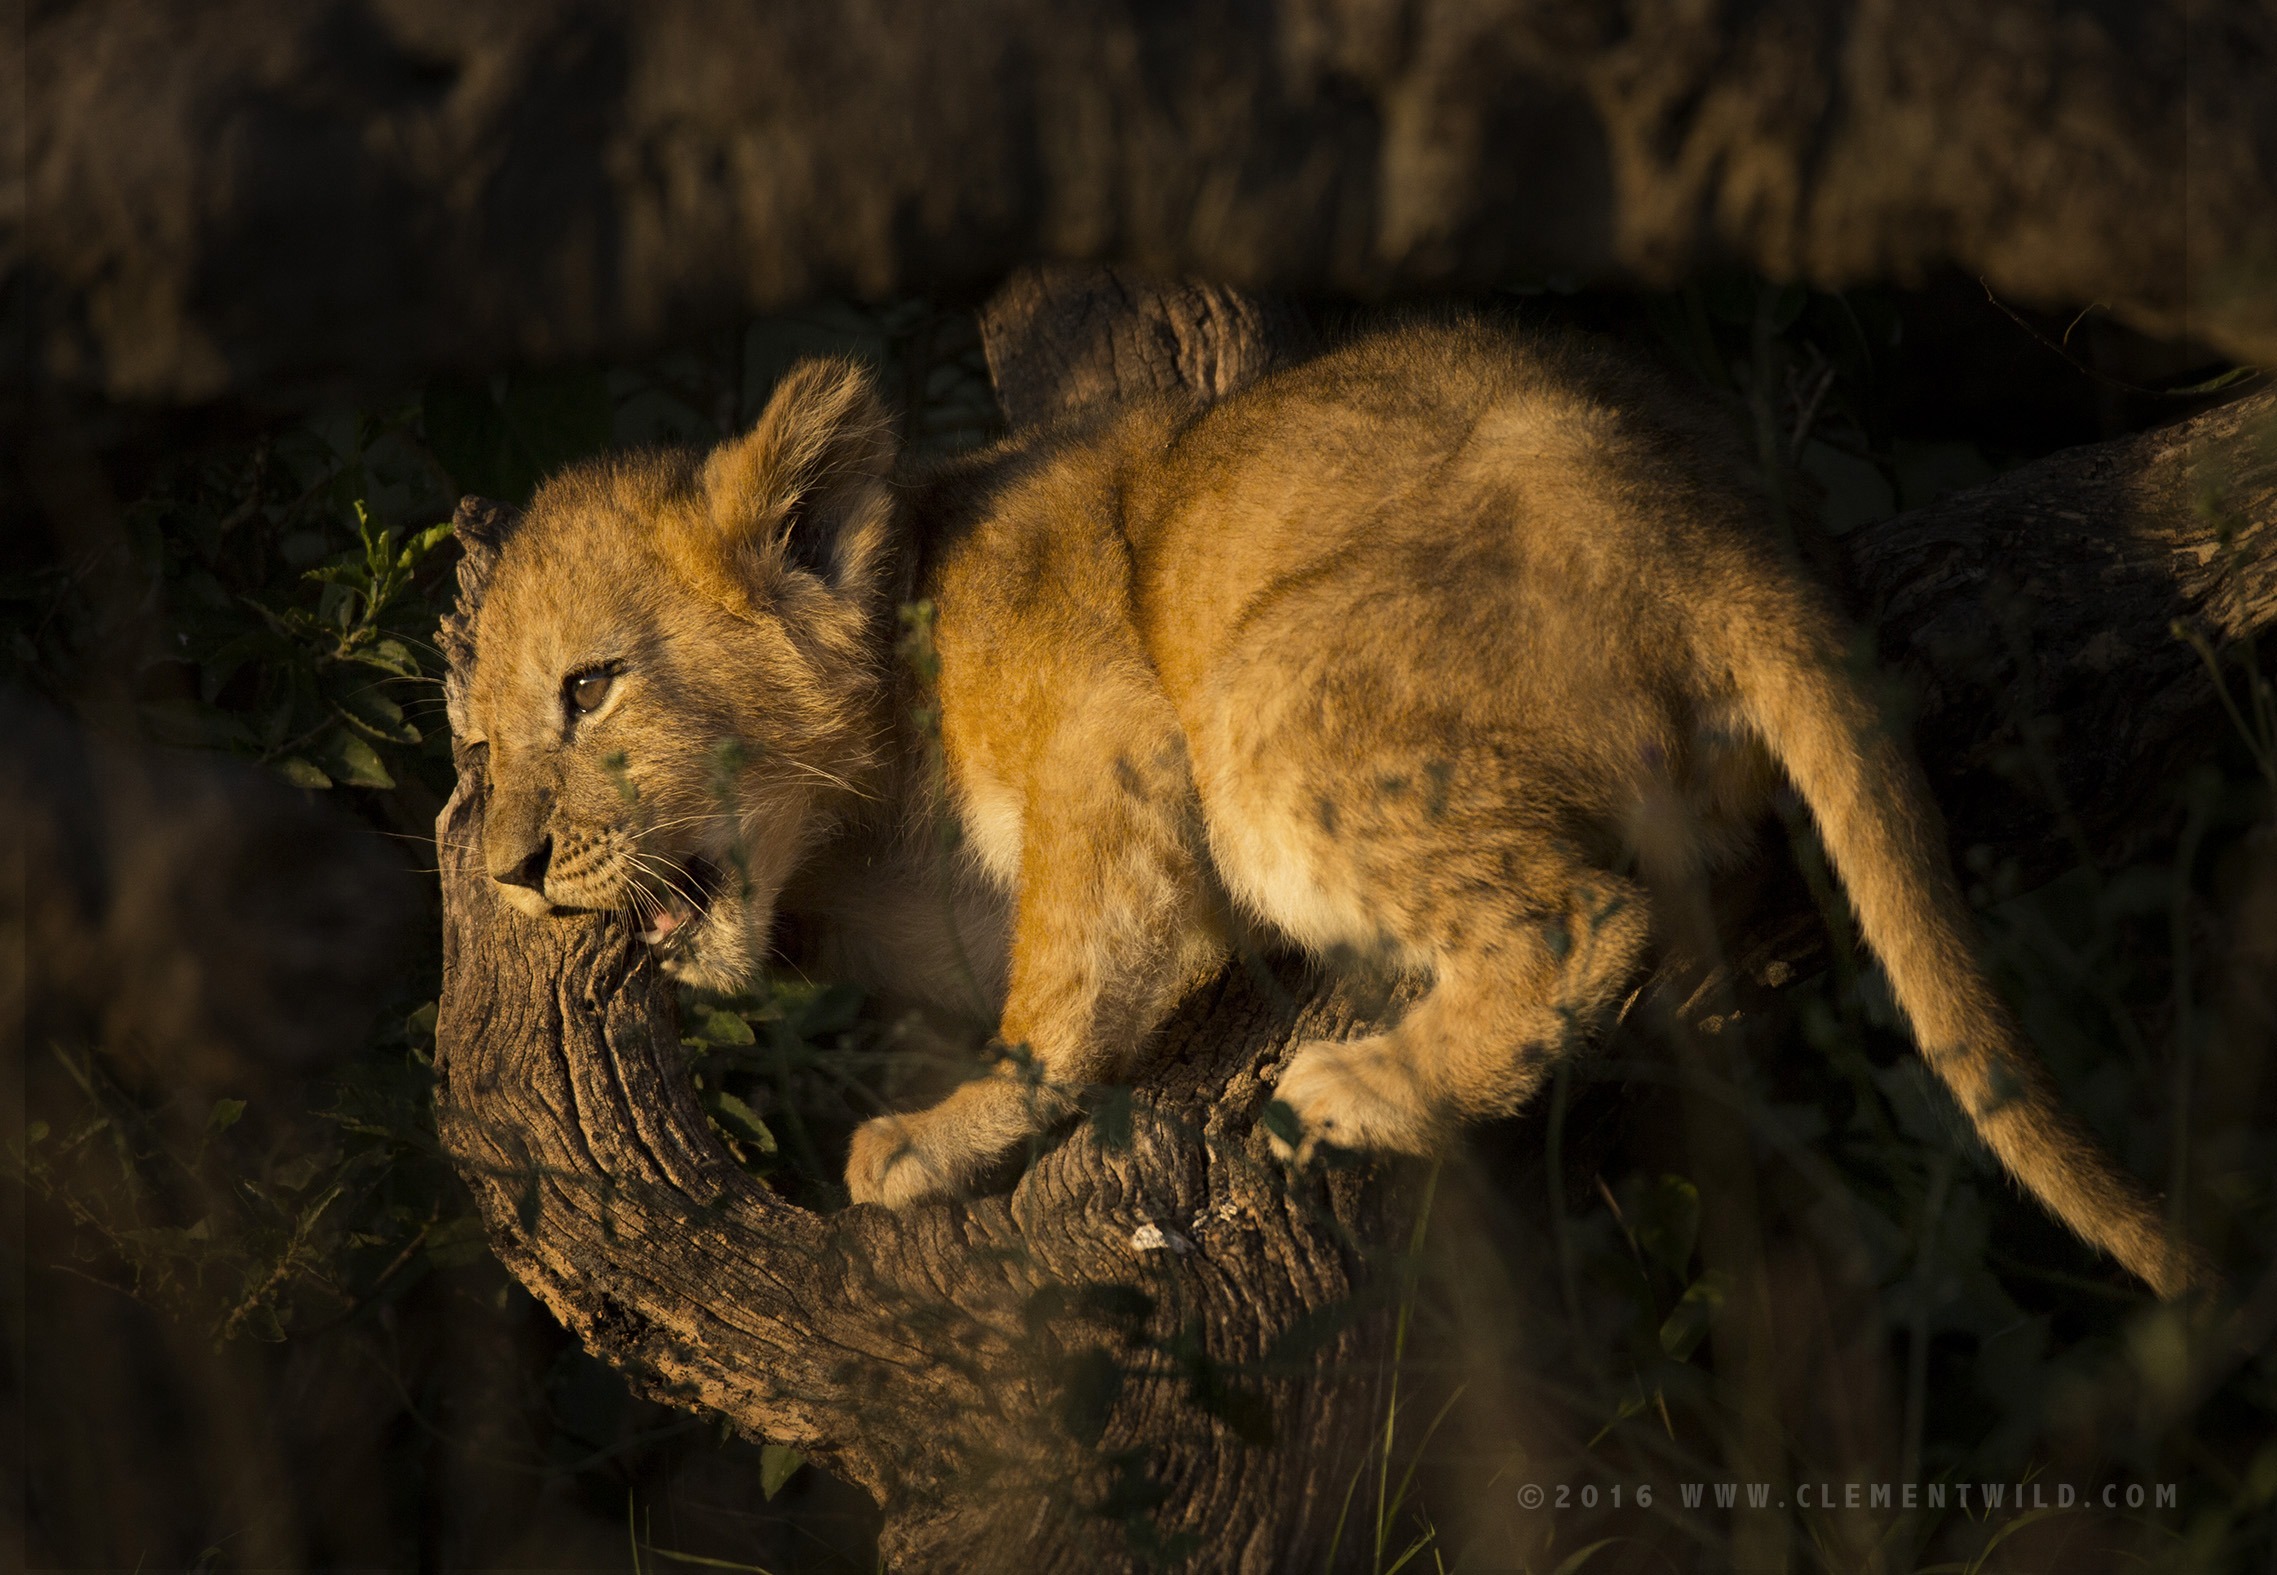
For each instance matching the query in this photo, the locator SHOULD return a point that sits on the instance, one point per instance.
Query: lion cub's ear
(804, 496)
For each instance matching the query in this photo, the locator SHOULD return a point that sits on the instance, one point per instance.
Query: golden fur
(1446, 649)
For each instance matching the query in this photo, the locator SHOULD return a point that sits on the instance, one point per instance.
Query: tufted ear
(804, 497)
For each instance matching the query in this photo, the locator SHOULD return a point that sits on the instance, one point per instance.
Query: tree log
(1156, 1341)
(241, 195)
(2051, 623)
(1062, 339)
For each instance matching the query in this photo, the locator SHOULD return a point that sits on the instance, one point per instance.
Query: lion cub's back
(1445, 491)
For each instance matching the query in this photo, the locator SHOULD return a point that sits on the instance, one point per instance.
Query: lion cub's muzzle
(672, 910)
(606, 871)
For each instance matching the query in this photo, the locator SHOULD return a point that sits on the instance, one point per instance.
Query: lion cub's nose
(531, 872)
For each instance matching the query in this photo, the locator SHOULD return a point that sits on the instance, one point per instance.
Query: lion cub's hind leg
(1510, 993)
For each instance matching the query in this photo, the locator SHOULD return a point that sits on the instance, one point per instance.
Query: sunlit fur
(742, 716)
(1452, 649)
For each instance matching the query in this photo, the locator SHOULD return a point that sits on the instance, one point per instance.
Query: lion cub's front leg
(1118, 917)
(898, 1160)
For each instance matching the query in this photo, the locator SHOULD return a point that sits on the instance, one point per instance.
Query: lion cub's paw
(936, 1153)
(892, 1162)
(1361, 1095)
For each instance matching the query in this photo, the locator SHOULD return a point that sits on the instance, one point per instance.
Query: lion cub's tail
(1881, 827)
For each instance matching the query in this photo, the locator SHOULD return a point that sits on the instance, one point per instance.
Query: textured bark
(955, 1358)
(2041, 619)
(245, 193)
(1061, 339)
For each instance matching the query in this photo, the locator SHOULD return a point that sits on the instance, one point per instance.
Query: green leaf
(277, 722)
(302, 773)
(191, 1242)
(389, 656)
(1581, 1556)
(262, 1323)
(226, 1113)
(2221, 380)
(377, 715)
(349, 759)
(741, 1120)
(314, 1209)
(457, 1243)
(714, 1026)
(295, 1174)
(778, 1463)
(1681, 1335)
(337, 604)
(1664, 1217)
(421, 1023)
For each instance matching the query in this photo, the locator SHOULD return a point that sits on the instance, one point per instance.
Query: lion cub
(1412, 651)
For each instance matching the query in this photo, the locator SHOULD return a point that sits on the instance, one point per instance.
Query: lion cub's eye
(588, 690)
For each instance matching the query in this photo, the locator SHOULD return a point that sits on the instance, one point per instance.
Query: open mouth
(682, 906)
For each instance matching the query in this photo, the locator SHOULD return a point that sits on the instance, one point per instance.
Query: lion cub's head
(679, 666)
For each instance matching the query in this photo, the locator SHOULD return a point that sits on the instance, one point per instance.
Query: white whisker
(835, 781)
(642, 863)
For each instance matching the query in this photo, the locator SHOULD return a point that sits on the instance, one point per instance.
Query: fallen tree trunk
(2056, 623)
(1155, 1343)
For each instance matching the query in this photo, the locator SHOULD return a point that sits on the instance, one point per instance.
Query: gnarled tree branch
(1031, 1379)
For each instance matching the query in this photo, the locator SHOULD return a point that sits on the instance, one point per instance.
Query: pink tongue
(666, 923)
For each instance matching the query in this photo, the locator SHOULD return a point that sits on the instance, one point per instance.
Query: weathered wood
(1063, 339)
(2040, 619)
(1016, 1378)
